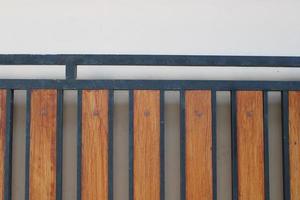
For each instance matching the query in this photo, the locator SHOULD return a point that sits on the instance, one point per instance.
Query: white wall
(265, 27)
(229, 27)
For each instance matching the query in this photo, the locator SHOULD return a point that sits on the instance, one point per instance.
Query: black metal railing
(72, 83)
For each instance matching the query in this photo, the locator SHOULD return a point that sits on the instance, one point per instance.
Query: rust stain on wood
(250, 145)
(2, 139)
(94, 175)
(294, 143)
(42, 169)
(146, 145)
(198, 145)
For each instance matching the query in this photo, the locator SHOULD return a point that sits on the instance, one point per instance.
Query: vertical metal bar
(131, 150)
(182, 145)
(8, 145)
(285, 145)
(28, 110)
(71, 71)
(214, 141)
(266, 144)
(234, 147)
(59, 143)
(110, 144)
(162, 145)
(79, 142)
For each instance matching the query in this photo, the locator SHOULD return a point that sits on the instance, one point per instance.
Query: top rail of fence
(153, 60)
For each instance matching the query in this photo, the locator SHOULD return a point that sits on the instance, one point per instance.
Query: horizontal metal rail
(155, 60)
(72, 61)
(149, 84)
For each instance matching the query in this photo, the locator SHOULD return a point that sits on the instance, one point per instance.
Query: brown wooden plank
(94, 161)
(2, 139)
(42, 167)
(146, 151)
(198, 145)
(294, 143)
(250, 145)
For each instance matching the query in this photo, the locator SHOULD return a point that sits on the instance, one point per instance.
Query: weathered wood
(42, 168)
(146, 145)
(294, 143)
(250, 145)
(94, 161)
(2, 139)
(198, 117)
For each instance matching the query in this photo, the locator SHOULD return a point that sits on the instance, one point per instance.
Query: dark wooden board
(250, 145)
(94, 161)
(198, 117)
(42, 168)
(146, 145)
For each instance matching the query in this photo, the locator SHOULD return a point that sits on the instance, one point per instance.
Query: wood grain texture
(198, 149)
(42, 167)
(146, 174)
(250, 145)
(94, 161)
(2, 139)
(294, 143)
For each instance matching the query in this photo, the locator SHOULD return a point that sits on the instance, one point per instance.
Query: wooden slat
(198, 117)
(146, 145)
(94, 161)
(294, 143)
(250, 145)
(42, 167)
(2, 139)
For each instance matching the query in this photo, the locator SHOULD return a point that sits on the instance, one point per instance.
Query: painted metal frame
(71, 83)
